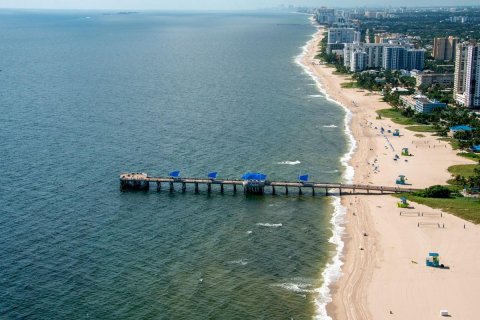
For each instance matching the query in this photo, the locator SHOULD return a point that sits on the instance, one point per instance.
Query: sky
(213, 4)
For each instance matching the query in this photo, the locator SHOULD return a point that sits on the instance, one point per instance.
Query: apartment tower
(444, 48)
(466, 82)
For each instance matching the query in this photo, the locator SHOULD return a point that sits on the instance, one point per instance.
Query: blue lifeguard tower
(396, 133)
(401, 179)
(433, 260)
(403, 203)
(253, 182)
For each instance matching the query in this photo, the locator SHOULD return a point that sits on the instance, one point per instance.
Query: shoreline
(358, 292)
(332, 271)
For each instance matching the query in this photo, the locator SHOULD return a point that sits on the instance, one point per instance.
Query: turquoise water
(85, 96)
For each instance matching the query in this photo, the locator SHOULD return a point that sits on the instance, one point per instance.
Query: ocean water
(85, 96)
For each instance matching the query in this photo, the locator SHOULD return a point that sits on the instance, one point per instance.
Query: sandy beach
(388, 279)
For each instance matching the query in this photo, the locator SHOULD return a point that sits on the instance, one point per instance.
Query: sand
(388, 279)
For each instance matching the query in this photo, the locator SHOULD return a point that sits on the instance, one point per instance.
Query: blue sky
(212, 4)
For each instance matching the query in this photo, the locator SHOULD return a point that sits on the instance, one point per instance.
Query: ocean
(85, 96)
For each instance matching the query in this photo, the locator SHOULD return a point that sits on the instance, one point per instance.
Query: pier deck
(141, 181)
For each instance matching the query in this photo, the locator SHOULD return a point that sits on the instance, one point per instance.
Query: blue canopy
(254, 176)
(303, 178)
(213, 175)
(476, 148)
(175, 174)
(461, 128)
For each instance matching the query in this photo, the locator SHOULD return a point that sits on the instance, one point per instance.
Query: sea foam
(333, 269)
(270, 225)
(291, 163)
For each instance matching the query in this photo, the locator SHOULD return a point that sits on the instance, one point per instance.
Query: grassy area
(463, 207)
(469, 155)
(421, 128)
(350, 85)
(453, 143)
(465, 170)
(396, 116)
(419, 135)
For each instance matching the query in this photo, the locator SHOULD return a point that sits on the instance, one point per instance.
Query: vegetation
(466, 176)
(439, 121)
(463, 207)
(435, 192)
(434, 23)
(469, 155)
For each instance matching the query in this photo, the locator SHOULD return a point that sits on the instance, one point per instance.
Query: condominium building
(397, 57)
(444, 48)
(415, 59)
(325, 16)
(358, 61)
(394, 58)
(373, 56)
(343, 35)
(429, 78)
(466, 87)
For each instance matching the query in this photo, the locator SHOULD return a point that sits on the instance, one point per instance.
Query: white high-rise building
(358, 61)
(343, 35)
(466, 85)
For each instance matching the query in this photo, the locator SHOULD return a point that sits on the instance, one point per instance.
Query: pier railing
(141, 181)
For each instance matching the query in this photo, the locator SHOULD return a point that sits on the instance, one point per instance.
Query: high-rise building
(325, 16)
(466, 82)
(394, 58)
(399, 57)
(415, 59)
(358, 61)
(341, 36)
(444, 48)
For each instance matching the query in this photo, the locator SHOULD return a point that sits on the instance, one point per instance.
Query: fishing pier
(249, 184)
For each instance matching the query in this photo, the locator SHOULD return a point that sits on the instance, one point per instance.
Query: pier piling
(141, 181)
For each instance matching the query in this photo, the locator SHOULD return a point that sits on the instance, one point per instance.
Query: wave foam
(297, 287)
(330, 126)
(333, 269)
(242, 262)
(292, 163)
(270, 225)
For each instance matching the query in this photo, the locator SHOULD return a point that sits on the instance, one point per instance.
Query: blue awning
(213, 175)
(303, 178)
(461, 128)
(174, 174)
(254, 176)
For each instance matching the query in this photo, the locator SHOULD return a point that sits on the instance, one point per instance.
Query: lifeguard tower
(405, 152)
(396, 133)
(254, 183)
(433, 260)
(403, 203)
(401, 179)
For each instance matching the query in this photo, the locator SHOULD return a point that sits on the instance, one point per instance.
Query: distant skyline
(213, 4)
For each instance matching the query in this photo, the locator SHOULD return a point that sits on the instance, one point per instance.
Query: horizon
(214, 5)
